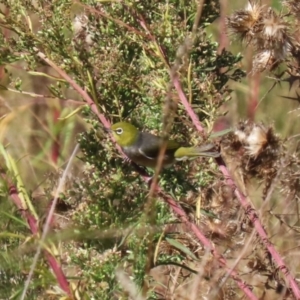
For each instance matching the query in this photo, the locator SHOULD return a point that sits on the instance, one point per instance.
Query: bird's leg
(126, 159)
(141, 170)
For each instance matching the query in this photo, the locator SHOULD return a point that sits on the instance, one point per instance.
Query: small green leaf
(220, 133)
(182, 248)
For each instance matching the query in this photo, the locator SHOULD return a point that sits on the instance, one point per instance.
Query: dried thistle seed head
(274, 26)
(245, 23)
(293, 6)
(242, 130)
(273, 44)
(265, 60)
(253, 137)
(256, 140)
(275, 32)
(269, 59)
(231, 228)
(241, 135)
(262, 152)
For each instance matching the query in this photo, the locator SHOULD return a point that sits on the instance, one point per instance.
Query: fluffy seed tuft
(246, 22)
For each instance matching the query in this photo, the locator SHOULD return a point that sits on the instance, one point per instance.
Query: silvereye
(143, 148)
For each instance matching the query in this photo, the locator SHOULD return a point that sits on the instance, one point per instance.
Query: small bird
(143, 148)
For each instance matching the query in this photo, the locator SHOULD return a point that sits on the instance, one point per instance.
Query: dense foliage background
(63, 61)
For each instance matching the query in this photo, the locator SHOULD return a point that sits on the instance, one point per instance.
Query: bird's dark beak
(108, 130)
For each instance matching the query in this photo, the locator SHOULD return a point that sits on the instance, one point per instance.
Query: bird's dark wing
(149, 145)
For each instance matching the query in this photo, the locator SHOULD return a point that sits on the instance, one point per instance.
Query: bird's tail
(184, 153)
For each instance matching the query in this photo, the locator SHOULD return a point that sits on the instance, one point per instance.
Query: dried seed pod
(265, 60)
(274, 35)
(245, 23)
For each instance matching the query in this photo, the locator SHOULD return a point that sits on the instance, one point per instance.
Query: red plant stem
(13, 193)
(196, 230)
(56, 145)
(252, 215)
(33, 225)
(250, 211)
(72, 82)
(80, 91)
(59, 274)
(186, 104)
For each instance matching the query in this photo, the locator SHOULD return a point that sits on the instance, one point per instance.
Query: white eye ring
(119, 131)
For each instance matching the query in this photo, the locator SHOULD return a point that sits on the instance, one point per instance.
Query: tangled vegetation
(68, 69)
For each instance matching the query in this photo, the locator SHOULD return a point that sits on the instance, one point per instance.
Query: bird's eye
(119, 131)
